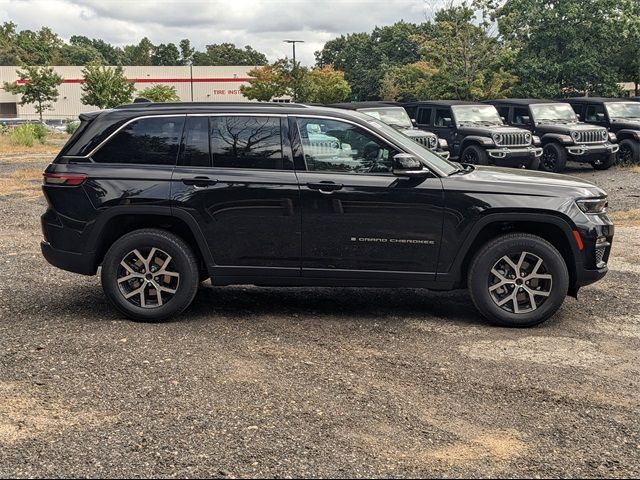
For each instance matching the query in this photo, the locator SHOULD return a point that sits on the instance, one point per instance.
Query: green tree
(229, 54)
(160, 93)
(323, 85)
(166, 54)
(77, 55)
(140, 54)
(268, 82)
(406, 83)
(565, 47)
(105, 87)
(36, 85)
(38, 47)
(186, 52)
(10, 51)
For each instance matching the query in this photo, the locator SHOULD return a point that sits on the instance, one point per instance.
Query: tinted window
(334, 146)
(196, 143)
(518, 115)
(247, 142)
(592, 113)
(503, 112)
(441, 114)
(577, 107)
(424, 116)
(146, 141)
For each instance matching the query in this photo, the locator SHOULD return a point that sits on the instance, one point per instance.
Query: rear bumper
(506, 153)
(587, 153)
(73, 262)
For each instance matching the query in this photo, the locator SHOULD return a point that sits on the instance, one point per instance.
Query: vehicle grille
(590, 136)
(431, 142)
(518, 139)
(322, 146)
(600, 253)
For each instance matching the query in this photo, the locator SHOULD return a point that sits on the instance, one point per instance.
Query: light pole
(295, 67)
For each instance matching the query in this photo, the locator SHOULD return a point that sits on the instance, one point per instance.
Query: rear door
(235, 179)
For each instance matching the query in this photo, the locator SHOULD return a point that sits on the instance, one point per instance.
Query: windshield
(394, 116)
(441, 165)
(553, 112)
(480, 114)
(624, 109)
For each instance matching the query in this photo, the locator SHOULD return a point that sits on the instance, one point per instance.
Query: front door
(443, 127)
(235, 178)
(358, 219)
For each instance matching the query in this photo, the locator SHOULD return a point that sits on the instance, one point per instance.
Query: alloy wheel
(520, 283)
(625, 155)
(549, 160)
(470, 157)
(146, 277)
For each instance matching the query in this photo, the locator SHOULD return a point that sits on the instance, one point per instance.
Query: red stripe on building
(159, 80)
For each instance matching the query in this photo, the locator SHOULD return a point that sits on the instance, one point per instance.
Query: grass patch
(25, 182)
(626, 217)
(9, 147)
(631, 168)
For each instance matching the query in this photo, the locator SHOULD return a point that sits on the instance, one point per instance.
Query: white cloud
(261, 24)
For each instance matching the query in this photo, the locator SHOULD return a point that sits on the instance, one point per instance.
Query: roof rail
(144, 103)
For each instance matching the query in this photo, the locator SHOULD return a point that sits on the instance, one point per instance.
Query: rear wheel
(629, 152)
(554, 158)
(150, 275)
(518, 280)
(474, 155)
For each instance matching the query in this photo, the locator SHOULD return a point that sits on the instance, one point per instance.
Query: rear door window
(147, 141)
(248, 142)
(196, 151)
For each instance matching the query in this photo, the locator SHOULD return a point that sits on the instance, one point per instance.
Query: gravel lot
(313, 382)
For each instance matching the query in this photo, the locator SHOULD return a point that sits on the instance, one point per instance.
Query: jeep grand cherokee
(163, 196)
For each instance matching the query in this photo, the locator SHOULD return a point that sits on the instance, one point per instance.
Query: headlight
(612, 137)
(593, 205)
(497, 137)
(575, 136)
(527, 137)
(603, 134)
(536, 140)
(442, 143)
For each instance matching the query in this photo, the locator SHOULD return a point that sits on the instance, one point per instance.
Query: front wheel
(518, 280)
(150, 275)
(474, 155)
(554, 158)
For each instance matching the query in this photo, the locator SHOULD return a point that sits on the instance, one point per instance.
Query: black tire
(554, 158)
(141, 306)
(481, 279)
(629, 152)
(605, 164)
(474, 155)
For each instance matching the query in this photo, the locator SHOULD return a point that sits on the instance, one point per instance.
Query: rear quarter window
(147, 141)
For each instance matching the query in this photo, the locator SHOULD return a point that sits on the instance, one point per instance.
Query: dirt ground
(312, 382)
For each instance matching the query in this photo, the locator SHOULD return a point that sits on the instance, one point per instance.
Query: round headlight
(497, 137)
(603, 134)
(575, 136)
(527, 137)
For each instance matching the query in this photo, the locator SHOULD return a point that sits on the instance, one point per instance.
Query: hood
(489, 130)
(567, 128)
(626, 123)
(526, 182)
(415, 132)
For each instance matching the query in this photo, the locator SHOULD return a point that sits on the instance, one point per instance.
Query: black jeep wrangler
(395, 116)
(563, 136)
(476, 134)
(621, 116)
(163, 196)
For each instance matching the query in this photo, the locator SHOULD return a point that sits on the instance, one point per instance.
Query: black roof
(522, 101)
(359, 105)
(595, 100)
(442, 103)
(179, 105)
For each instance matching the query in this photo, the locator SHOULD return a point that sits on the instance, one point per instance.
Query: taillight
(70, 179)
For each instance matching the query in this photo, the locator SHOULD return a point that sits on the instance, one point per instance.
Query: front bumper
(504, 153)
(585, 153)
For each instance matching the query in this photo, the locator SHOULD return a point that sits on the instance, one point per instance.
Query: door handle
(199, 181)
(325, 187)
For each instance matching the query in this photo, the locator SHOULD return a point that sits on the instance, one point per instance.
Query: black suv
(476, 134)
(621, 116)
(163, 196)
(563, 136)
(396, 116)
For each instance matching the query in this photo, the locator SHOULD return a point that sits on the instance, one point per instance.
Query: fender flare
(553, 137)
(564, 223)
(165, 211)
(628, 134)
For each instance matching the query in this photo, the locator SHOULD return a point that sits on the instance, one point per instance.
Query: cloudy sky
(262, 24)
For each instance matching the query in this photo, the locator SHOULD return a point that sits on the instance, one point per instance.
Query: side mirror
(406, 165)
(447, 122)
(504, 120)
(526, 120)
(578, 116)
(413, 121)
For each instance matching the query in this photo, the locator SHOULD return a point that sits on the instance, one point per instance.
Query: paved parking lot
(321, 382)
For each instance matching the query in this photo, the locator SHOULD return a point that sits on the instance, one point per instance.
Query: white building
(198, 84)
